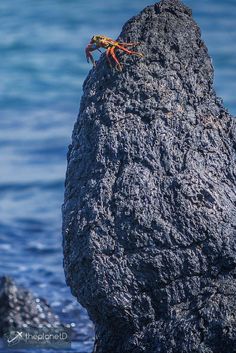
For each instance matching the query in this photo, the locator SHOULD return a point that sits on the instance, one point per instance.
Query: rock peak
(172, 6)
(174, 56)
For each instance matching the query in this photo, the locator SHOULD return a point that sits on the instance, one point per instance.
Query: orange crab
(100, 41)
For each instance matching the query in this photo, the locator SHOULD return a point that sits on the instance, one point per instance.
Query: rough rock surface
(149, 212)
(20, 309)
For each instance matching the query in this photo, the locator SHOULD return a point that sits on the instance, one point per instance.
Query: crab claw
(90, 47)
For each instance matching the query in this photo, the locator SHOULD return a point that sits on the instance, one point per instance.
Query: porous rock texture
(150, 206)
(19, 309)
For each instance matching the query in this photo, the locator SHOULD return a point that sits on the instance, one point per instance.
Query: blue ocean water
(42, 70)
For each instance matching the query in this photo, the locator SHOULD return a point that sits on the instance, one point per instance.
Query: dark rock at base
(19, 309)
(150, 205)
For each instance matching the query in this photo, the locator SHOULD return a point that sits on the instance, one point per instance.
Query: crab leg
(129, 44)
(112, 52)
(108, 52)
(130, 52)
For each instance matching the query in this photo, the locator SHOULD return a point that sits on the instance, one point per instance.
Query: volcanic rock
(19, 309)
(149, 212)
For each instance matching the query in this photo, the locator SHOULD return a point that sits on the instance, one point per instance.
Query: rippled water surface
(42, 70)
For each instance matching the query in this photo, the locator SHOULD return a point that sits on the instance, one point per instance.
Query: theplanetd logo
(13, 337)
(45, 337)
